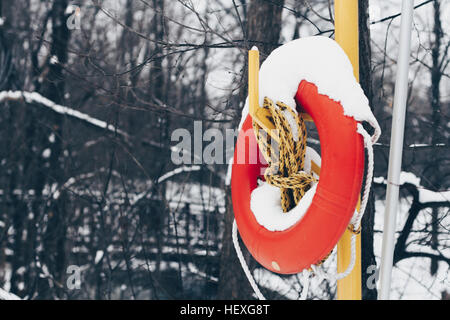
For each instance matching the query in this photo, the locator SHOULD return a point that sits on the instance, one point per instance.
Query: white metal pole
(395, 153)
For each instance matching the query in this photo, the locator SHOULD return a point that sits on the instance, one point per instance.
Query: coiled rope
(285, 158)
(286, 161)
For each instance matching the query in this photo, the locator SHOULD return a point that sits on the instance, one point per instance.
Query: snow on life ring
(311, 238)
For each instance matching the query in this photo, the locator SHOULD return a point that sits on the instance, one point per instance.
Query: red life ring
(309, 240)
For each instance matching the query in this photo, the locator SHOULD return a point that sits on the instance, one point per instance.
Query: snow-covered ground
(411, 278)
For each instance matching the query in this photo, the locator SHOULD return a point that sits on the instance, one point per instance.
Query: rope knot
(299, 180)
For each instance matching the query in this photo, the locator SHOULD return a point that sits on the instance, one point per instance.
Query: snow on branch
(414, 146)
(425, 195)
(5, 295)
(34, 97)
(178, 171)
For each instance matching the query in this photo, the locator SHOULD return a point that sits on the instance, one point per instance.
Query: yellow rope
(286, 159)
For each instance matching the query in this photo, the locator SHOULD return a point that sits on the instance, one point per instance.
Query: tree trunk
(436, 76)
(263, 30)
(365, 79)
(18, 207)
(54, 255)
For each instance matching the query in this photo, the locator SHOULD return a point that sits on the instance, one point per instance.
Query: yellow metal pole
(260, 115)
(253, 80)
(346, 34)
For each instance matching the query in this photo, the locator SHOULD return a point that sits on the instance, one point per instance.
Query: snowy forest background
(91, 205)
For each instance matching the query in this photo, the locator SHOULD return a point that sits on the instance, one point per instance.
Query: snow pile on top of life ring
(266, 204)
(319, 60)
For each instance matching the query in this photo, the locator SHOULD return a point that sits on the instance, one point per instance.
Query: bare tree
(263, 29)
